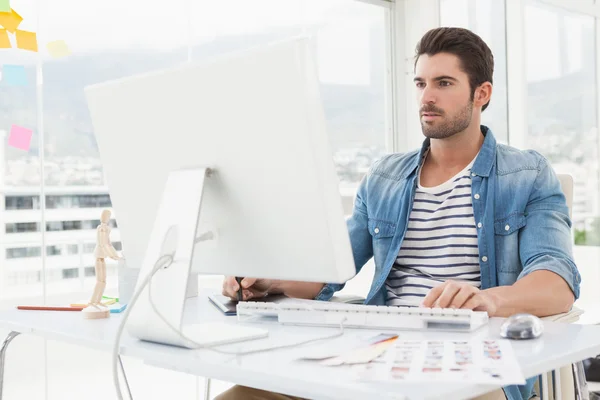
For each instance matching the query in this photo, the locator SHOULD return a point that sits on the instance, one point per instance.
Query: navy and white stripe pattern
(440, 243)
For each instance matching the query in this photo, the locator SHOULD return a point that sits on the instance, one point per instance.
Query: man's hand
(457, 294)
(252, 287)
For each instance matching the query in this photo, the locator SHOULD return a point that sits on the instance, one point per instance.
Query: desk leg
(544, 387)
(206, 388)
(581, 388)
(7, 341)
(556, 384)
(124, 378)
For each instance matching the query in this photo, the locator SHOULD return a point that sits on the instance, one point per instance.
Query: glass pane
(351, 60)
(143, 36)
(562, 113)
(20, 218)
(486, 18)
(562, 108)
(108, 40)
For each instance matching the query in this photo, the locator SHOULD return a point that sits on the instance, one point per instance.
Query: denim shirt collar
(484, 162)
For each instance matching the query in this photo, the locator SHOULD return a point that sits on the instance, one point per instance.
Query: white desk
(560, 345)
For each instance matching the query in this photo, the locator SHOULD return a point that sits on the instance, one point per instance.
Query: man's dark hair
(476, 58)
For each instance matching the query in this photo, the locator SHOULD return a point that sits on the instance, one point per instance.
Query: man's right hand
(252, 288)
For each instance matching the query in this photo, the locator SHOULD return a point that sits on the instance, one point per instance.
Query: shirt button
(506, 227)
(476, 196)
(479, 225)
(473, 174)
(484, 259)
(376, 230)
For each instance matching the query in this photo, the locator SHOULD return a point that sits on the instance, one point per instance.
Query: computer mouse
(522, 326)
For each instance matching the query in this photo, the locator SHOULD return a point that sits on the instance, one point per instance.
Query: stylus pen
(240, 296)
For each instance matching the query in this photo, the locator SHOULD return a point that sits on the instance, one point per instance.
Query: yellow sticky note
(10, 20)
(58, 49)
(4, 40)
(27, 40)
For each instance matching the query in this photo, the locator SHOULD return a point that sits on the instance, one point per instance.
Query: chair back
(566, 184)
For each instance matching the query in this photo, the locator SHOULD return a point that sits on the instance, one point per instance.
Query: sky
(343, 41)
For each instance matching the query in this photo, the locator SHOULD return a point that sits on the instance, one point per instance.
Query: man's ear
(483, 93)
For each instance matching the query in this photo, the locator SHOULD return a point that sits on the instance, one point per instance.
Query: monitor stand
(216, 333)
(172, 240)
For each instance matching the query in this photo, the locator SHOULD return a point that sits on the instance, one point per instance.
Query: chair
(568, 382)
(566, 184)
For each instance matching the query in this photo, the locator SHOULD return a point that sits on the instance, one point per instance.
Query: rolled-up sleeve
(546, 243)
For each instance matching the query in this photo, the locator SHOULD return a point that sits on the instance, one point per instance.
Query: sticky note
(10, 20)
(14, 75)
(4, 5)
(58, 49)
(27, 40)
(117, 308)
(20, 137)
(4, 40)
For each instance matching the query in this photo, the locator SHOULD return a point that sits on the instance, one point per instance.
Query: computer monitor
(256, 119)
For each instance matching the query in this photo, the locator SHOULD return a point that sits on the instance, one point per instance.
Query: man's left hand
(457, 294)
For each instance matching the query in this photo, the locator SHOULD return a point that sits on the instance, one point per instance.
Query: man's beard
(446, 128)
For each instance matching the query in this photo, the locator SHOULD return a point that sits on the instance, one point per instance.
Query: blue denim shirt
(516, 196)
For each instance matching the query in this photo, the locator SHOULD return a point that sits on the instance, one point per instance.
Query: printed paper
(475, 361)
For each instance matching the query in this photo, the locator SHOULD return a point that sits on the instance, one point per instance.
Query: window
(63, 225)
(91, 224)
(62, 249)
(486, 18)
(22, 202)
(20, 227)
(89, 271)
(72, 249)
(55, 202)
(562, 106)
(94, 201)
(70, 273)
(22, 252)
(117, 246)
(89, 247)
(78, 201)
(55, 250)
(75, 225)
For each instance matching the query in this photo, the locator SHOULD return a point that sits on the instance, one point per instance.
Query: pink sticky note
(20, 137)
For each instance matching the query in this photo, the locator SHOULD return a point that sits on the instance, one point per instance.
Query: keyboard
(331, 314)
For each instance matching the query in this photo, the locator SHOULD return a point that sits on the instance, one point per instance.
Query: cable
(165, 261)
(136, 295)
(241, 353)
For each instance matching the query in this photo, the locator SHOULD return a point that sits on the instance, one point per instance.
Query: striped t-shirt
(440, 242)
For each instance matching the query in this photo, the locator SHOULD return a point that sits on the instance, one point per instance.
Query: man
(468, 223)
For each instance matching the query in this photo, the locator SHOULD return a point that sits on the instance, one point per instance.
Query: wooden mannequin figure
(103, 249)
